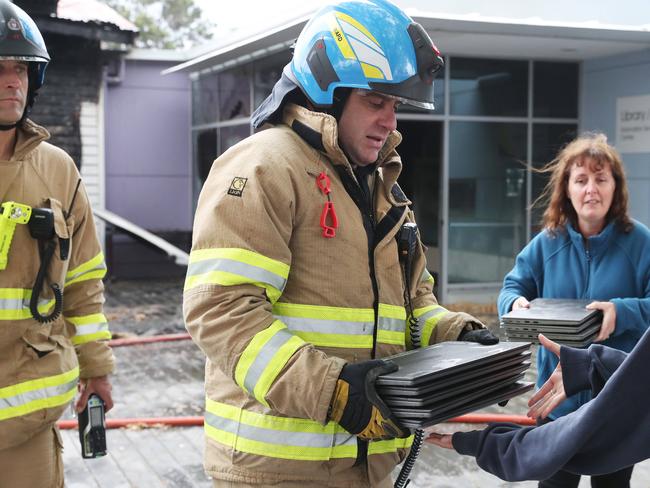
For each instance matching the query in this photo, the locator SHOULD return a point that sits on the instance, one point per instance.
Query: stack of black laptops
(439, 382)
(565, 321)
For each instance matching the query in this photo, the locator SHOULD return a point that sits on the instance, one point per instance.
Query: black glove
(357, 407)
(482, 336)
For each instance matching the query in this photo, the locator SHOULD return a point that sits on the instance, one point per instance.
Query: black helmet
(20, 40)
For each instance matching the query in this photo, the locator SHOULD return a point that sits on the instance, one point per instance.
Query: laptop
(430, 364)
(441, 414)
(552, 311)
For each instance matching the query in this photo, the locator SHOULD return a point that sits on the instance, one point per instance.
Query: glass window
(555, 89)
(266, 73)
(234, 93)
(487, 200)
(548, 139)
(488, 87)
(205, 152)
(421, 152)
(229, 136)
(204, 99)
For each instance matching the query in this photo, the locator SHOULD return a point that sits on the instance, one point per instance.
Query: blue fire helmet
(21, 40)
(369, 44)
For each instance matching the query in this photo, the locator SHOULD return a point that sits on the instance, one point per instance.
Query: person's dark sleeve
(588, 369)
(515, 453)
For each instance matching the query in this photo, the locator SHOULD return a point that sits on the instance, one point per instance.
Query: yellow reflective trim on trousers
(431, 315)
(264, 357)
(272, 436)
(244, 256)
(14, 304)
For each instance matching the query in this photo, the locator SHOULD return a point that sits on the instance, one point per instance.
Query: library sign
(633, 124)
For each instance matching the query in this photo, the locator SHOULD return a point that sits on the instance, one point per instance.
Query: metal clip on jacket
(328, 213)
(11, 215)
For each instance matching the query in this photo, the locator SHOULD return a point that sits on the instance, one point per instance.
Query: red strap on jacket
(328, 213)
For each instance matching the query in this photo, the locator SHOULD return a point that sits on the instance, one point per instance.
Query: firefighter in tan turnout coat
(294, 284)
(52, 330)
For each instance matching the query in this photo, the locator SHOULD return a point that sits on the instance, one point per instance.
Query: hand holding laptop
(520, 302)
(609, 319)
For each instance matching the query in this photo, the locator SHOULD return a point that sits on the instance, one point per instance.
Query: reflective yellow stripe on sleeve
(93, 269)
(429, 318)
(14, 304)
(89, 328)
(277, 437)
(263, 359)
(232, 266)
(38, 394)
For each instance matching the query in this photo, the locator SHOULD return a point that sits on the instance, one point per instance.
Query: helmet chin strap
(7, 127)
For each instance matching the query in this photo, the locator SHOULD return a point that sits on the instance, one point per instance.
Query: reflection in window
(548, 139)
(421, 152)
(489, 87)
(205, 152)
(555, 89)
(204, 99)
(234, 93)
(487, 199)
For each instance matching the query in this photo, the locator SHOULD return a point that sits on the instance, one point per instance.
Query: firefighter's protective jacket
(40, 364)
(278, 309)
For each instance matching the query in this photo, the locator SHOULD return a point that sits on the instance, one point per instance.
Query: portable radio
(92, 429)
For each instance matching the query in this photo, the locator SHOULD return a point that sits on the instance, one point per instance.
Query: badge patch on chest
(237, 186)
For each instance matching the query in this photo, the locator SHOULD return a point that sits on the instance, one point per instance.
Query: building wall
(147, 120)
(603, 82)
(72, 78)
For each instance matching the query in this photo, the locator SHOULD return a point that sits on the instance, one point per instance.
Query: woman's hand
(552, 393)
(440, 440)
(609, 319)
(520, 302)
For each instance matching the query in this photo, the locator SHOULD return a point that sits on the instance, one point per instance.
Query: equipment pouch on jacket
(357, 407)
(62, 241)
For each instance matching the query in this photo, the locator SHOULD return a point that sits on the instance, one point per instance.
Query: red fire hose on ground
(197, 421)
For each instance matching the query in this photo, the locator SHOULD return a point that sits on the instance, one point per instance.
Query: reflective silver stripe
(40, 394)
(426, 276)
(324, 326)
(249, 271)
(19, 303)
(87, 329)
(279, 437)
(264, 358)
(431, 313)
(395, 325)
(100, 266)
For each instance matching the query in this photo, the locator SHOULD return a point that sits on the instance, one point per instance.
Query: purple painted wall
(147, 143)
